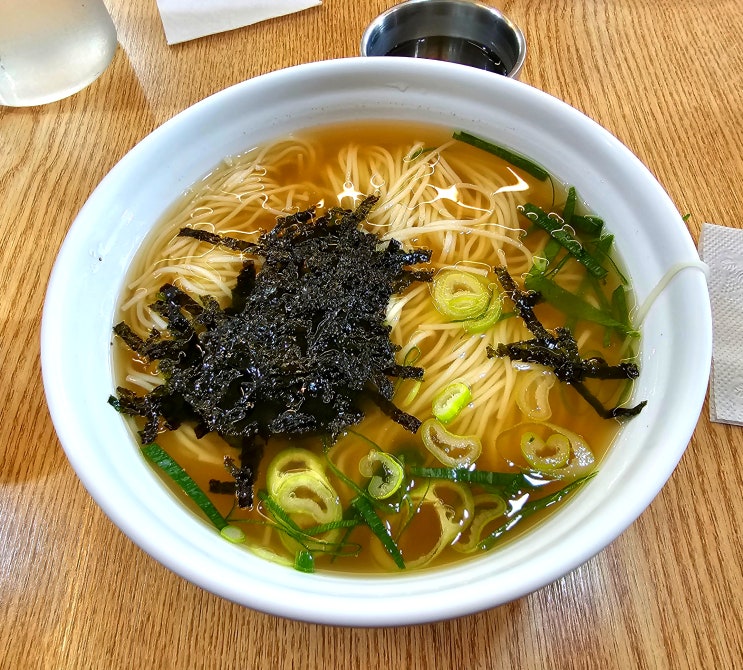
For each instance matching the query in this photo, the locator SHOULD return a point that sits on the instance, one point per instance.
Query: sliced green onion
(234, 534)
(515, 159)
(371, 519)
(530, 508)
(343, 477)
(545, 455)
(460, 295)
(450, 449)
(290, 530)
(489, 318)
(304, 561)
(558, 232)
(159, 457)
(305, 539)
(389, 482)
(450, 401)
(603, 246)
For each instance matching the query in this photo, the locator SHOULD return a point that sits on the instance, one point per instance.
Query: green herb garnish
(508, 482)
(515, 159)
(371, 519)
(530, 508)
(304, 561)
(559, 351)
(159, 457)
(556, 228)
(573, 305)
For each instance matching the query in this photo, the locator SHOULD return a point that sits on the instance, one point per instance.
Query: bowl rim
(339, 599)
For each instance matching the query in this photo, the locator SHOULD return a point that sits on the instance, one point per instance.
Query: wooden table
(665, 76)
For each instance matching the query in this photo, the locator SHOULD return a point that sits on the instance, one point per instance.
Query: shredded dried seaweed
(303, 341)
(558, 350)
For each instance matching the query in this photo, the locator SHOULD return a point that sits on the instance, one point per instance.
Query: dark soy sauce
(453, 49)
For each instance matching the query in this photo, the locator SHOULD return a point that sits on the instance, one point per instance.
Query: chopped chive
(619, 304)
(591, 225)
(515, 159)
(602, 247)
(557, 231)
(304, 561)
(569, 210)
(507, 481)
(551, 249)
(530, 508)
(278, 512)
(306, 538)
(371, 519)
(595, 285)
(346, 479)
(333, 525)
(349, 515)
(159, 457)
(572, 305)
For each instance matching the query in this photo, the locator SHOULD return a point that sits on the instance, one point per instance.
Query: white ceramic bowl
(87, 277)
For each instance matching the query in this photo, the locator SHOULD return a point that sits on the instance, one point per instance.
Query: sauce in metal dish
(453, 49)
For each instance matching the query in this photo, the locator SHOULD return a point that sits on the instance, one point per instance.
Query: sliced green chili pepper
(382, 486)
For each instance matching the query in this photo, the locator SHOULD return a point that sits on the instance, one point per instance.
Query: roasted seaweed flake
(301, 345)
(558, 350)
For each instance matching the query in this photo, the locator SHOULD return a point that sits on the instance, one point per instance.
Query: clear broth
(203, 458)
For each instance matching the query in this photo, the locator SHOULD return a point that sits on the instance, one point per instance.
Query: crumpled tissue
(185, 20)
(721, 248)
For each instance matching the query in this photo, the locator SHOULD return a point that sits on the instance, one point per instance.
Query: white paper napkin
(722, 249)
(185, 20)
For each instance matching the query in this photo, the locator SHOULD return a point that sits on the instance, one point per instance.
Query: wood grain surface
(665, 76)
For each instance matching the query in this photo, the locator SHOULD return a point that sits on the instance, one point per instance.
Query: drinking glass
(50, 49)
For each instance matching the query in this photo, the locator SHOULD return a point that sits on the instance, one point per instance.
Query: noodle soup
(503, 438)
